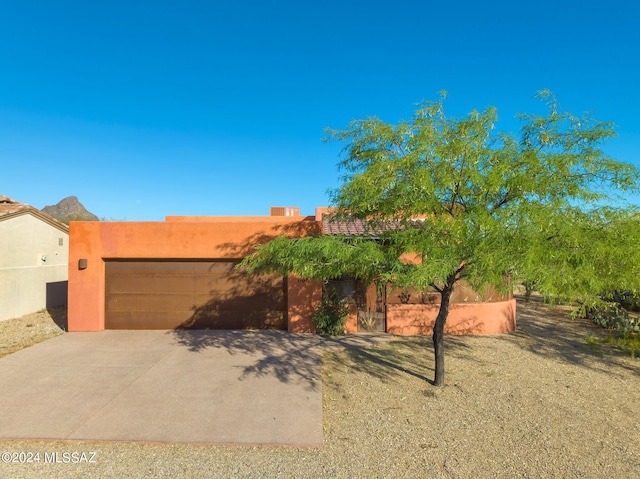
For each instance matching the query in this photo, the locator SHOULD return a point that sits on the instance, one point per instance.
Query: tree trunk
(528, 289)
(438, 333)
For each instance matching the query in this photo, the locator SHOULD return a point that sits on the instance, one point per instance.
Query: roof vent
(284, 211)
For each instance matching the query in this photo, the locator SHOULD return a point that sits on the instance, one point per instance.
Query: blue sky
(145, 109)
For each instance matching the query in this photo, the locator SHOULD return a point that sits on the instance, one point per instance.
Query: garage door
(191, 295)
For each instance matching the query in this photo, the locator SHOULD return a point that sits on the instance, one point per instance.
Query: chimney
(323, 210)
(284, 211)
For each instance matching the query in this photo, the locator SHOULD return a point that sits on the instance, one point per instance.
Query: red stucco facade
(176, 238)
(233, 238)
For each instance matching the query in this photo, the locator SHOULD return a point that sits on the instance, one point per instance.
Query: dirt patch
(19, 333)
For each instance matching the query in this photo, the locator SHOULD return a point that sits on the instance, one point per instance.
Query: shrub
(629, 300)
(331, 316)
(611, 312)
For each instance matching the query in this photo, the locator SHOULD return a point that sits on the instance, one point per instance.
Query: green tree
(470, 203)
(581, 255)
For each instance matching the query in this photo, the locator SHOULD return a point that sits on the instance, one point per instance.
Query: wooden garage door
(191, 295)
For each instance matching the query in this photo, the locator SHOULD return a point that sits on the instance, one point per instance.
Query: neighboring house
(34, 252)
(179, 274)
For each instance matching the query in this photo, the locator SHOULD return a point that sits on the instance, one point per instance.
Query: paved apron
(218, 387)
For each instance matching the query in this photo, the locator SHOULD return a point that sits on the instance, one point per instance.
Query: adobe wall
(474, 318)
(462, 293)
(235, 238)
(178, 238)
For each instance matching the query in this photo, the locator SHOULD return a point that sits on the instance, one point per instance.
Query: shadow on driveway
(289, 357)
(209, 387)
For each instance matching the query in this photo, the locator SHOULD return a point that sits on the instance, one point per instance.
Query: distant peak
(70, 209)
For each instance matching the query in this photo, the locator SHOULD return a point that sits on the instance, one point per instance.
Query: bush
(627, 299)
(611, 312)
(331, 316)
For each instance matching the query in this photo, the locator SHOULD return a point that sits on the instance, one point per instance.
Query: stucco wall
(178, 237)
(234, 238)
(473, 318)
(27, 283)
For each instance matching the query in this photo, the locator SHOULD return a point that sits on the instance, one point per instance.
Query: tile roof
(355, 226)
(10, 208)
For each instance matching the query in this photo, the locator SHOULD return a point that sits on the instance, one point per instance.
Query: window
(60, 241)
(344, 286)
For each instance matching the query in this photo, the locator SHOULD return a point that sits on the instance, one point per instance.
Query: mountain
(70, 209)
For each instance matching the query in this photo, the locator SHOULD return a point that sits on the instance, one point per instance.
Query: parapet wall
(474, 318)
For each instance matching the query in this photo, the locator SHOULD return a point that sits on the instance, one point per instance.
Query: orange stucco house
(179, 273)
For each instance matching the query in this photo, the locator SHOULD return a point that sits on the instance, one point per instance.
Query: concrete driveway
(219, 387)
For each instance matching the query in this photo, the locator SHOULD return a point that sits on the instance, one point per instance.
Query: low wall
(472, 318)
(26, 290)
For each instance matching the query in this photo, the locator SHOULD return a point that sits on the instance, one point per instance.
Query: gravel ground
(16, 334)
(536, 403)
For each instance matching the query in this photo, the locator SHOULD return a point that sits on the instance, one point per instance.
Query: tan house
(34, 257)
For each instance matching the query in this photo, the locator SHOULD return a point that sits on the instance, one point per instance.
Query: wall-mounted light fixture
(44, 258)
(82, 263)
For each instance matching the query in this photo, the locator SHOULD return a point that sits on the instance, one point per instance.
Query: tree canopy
(474, 203)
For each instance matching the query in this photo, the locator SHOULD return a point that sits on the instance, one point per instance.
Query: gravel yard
(16, 334)
(537, 403)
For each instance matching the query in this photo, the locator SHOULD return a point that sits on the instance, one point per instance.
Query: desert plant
(404, 296)
(611, 310)
(629, 300)
(367, 320)
(611, 315)
(331, 315)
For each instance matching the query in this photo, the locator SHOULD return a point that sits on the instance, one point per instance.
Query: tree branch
(505, 199)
